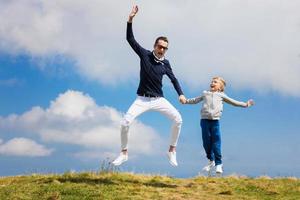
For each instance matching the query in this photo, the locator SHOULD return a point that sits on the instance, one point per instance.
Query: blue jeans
(211, 138)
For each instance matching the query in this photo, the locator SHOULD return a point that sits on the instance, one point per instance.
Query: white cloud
(253, 44)
(84, 31)
(23, 147)
(75, 118)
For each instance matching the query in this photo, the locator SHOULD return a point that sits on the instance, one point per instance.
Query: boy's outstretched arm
(238, 103)
(250, 102)
(194, 100)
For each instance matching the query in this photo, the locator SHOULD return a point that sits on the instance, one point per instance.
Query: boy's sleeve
(233, 101)
(194, 100)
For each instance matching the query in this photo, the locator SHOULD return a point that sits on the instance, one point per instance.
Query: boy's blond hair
(223, 83)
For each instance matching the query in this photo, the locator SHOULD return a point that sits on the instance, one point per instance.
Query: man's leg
(165, 107)
(139, 106)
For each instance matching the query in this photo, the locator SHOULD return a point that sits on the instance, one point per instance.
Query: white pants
(143, 104)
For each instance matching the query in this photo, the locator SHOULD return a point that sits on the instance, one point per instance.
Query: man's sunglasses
(162, 47)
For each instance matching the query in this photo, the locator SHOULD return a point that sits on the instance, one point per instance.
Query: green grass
(107, 185)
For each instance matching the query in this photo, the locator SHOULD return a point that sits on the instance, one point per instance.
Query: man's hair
(161, 38)
(223, 85)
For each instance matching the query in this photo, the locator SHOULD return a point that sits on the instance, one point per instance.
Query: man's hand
(250, 103)
(182, 99)
(133, 12)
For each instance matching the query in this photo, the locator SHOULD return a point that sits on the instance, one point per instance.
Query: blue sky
(67, 76)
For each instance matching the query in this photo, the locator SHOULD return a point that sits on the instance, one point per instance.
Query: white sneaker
(172, 158)
(209, 166)
(219, 169)
(120, 159)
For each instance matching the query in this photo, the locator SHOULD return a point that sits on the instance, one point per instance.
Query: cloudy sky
(67, 76)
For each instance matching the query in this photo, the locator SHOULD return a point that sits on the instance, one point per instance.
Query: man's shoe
(172, 158)
(219, 169)
(209, 166)
(120, 159)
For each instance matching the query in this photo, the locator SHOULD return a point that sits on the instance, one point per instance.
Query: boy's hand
(250, 103)
(182, 99)
(133, 12)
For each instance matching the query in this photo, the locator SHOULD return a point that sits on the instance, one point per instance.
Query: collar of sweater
(157, 59)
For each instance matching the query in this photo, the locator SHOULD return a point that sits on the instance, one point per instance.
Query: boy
(210, 115)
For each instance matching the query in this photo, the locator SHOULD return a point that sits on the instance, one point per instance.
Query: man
(153, 66)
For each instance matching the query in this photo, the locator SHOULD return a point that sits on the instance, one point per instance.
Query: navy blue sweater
(152, 71)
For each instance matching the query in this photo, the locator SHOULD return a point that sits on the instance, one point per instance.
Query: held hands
(250, 103)
(182, 99)
(133, 12)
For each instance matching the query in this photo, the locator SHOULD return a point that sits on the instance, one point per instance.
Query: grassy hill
(91, 185)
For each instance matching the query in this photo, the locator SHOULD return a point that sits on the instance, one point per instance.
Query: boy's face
(160, 48)
(215, 85)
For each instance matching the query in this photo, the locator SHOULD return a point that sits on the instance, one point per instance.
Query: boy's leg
(206, 138)
(216, 139)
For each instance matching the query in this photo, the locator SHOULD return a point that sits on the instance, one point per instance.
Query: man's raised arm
(129, 33)
(133, 12)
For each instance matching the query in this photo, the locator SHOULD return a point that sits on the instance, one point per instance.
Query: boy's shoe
(120, 159)
(209, 166)
(219, 169)
(172, 158)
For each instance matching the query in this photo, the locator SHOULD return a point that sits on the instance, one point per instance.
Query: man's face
(160, 48)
